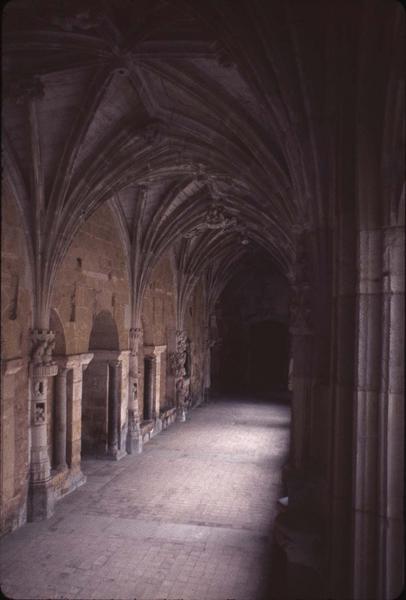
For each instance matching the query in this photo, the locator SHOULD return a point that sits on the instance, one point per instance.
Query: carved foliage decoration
(43, 341)
(216, 218)
(178, 358)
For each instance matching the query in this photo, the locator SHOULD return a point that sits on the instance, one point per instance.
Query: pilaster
(42, 368)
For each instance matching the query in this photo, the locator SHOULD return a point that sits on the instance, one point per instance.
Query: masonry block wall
(16, 321)
(93, 277)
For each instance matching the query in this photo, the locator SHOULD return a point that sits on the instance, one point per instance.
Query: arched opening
(251, 350)
(101, 391)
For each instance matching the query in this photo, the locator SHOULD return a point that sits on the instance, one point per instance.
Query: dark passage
(251, 354)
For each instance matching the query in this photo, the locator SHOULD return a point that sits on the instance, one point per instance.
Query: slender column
(114, 404)
(151, 388)
(60, 418)
(378, 544)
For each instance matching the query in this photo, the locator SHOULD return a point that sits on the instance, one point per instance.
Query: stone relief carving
(178, 358)
(178, 361)
(133, 416)
(216, 218)
(43, 346)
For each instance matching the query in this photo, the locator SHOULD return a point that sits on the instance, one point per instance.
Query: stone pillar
(76, 364)
(208, 343)
(148, 388)
(114, 407)
(379, 416)
(153, 387)
(41, 496)
(301, 332)
(134, 436)
(60, 419)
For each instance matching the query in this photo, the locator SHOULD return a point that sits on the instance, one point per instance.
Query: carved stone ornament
(135, 336)
(43, 341)
(133, 421)
(39, 399)
(67, 20)
(178, 358)
(216, 219)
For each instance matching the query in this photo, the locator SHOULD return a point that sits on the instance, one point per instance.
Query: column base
(157, 425)
(116, 454)
(41, 501)
(181, 415)
(134, 443)
(66, 481)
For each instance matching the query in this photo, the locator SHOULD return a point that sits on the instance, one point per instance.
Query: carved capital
(115, 364)
(43, 345)
(217, 219)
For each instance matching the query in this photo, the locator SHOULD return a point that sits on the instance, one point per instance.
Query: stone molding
(154, 350)
(12, 366)
(110, 355)
(74, 361)
(44, 371)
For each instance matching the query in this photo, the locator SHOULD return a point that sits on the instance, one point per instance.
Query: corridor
(189, 518)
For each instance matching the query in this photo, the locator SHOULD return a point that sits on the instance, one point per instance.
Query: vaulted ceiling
(170, 109)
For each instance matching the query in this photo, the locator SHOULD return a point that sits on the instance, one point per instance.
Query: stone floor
(190, 518)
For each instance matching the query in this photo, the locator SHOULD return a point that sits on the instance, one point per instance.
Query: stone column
(207, 364)
(114, 407)
(302, 345)
(149, 382)
(379, 416)
(60, 419)
(74, 365)
(41, 496)
(134, 436)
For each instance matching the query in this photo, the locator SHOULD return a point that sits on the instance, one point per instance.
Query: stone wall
(16, 321)
(158, 323)
(93, 277)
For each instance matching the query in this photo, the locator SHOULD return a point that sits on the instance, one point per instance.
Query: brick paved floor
(189, 518)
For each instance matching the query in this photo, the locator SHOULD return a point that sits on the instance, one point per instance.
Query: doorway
(148, 388)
